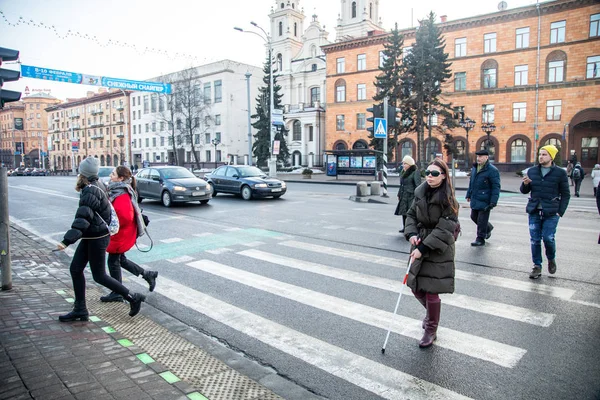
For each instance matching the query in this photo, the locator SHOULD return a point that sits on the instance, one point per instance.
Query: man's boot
(135, 303)
(150, 277)
(433, 309)
(79, 312)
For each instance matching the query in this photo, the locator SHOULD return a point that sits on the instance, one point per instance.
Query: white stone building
(357, 19)
(224, 88)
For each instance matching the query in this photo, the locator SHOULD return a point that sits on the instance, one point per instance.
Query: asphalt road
(307, 284)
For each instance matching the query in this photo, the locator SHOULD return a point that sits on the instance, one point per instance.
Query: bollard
(5, 266)
(362, 189)
(375, 188)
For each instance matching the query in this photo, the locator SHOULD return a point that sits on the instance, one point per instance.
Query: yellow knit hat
(551, 149)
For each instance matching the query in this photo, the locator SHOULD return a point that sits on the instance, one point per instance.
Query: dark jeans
(117, 261)
(578, 186)
(542, 228)
(94, 252)
(481, 218)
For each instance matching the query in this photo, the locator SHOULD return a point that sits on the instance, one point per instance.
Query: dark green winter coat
(434, 223)
(409, 180)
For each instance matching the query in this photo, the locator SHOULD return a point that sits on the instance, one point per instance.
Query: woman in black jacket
(410, 178)
(90, 225)
(432, 220)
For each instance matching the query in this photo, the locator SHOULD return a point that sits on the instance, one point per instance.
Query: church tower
(357, 18)
(287, 28)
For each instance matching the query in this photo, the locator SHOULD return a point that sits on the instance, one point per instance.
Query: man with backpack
(578, 175)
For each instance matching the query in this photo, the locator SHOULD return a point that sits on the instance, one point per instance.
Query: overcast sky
(199, 28)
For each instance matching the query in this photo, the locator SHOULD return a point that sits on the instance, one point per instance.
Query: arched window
(407, 149)
(281, 25)
(340, 91)
(371, 10)
(295, 29)
(460, 149)
(556, 66)
(340, 146)
(297, 131)
(282, 5)
(432, 148)
(117, 161)
(108, 158)
(353, 9)
(518, 151)
(313, 50)
(491, 148)
(489, 74)
(315, 95)
(553, 141)
(102, 160)
(279, 63)
(359, 145)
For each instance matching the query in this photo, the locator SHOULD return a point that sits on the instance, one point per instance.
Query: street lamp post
(488, 128)
(467, 124)
(267, 39)
(215, 143)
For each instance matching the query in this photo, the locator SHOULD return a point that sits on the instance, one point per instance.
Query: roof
(40, 95)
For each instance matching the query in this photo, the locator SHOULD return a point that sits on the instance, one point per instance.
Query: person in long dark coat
(410, 178)
(430, 225)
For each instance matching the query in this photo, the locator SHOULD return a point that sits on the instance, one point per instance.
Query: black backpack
(576, 173)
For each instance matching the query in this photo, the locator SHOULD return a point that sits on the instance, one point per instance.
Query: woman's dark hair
(446, 186)
(125, 173)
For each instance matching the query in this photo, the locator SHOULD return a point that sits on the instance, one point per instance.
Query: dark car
(246, 181)
(39, 172)
(19, 172)
(171, 185)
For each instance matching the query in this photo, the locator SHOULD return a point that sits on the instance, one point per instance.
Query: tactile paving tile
(162, 345)
(193, 364)
(229, 385)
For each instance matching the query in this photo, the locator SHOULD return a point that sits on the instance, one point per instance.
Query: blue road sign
(380, 129)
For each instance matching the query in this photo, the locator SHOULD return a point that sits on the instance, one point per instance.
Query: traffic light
(392, 118)
(377, 112)
(7, 75)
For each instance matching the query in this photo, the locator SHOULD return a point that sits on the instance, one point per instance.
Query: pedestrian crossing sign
(380, 128)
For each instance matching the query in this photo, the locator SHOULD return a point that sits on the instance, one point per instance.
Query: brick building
(531, 72)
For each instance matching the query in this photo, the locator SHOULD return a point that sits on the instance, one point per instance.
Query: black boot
(112, 297)
(79, 312)
(150, 277)
(135, 303)
(433, 309)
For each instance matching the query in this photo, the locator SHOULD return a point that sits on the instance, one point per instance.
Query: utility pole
(248, 75)
(5, 265)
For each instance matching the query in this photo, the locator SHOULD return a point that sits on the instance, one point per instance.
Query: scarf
(408, 171)
(115, 189)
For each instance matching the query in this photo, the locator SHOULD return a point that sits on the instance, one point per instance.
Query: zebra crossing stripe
(524, 286)
(464, 343)
(367, 374)
(466, 302)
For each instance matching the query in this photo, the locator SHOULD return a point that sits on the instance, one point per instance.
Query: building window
(279, 65)
(311, 133)
(382, 59)
(460, 47)
(519, 112)
(487, 113)
(340, 91)
(313, 67)
(153, 142)
(154, 127)
(518, 151)
(557, 31)
(553, 110)
(361, 91)
(147, 127)
(489, 43)
(489, 78)
(218, 119)
(353, 9)
(295, 29)
(594, 25)
(280, 28)
(361, 62)
(521, 75)
(593, 67)
(153, 101)
(460, 81)
(522, 38)
(315, 95)
(146, 104)
(361, 121)
(340, 123)
(207, 138)
(207, 87)
(218, 91)
(556, 71)
(341, 65)
(297, 131)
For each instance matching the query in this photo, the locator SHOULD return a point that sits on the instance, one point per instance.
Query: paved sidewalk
(112, 356)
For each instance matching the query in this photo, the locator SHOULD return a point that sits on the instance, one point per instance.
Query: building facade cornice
(87, 100)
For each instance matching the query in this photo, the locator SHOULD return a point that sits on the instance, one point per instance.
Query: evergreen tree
(261, 148)
(426, 71)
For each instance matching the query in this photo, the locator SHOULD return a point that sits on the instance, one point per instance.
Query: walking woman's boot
(79, 312)
(150, 277)
(433, 309)
(135, 303)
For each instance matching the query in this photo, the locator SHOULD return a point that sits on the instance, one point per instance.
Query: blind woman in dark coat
(410, 178)
(430, 226)
(90, 226)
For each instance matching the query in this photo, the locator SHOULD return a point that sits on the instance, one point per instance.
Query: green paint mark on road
(93, 318)
(169, 377)
(125, 342)
(61, 292)
(195, 245)
(196, 396)
(70, 300)
(109, 329)
(145, 358)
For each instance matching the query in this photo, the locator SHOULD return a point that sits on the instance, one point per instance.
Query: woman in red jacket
(121, 191)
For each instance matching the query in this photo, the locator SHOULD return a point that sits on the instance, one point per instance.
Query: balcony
(120, 121)
(120, 107)
(74, 116)
(56, 130)
(56, 119)
(96, 124)
(97, 111)
(120, 134)
(76, 127)
(97, 137)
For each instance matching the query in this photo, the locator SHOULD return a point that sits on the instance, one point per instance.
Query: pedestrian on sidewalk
(570, 166)
(410, 179)
(483, 194)
(122, 194)
(598, 203)
(578, 175)
(430, 225)
(595, 178)
(90, 225)
(548, 201)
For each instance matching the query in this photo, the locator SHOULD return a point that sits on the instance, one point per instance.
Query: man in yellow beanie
(547, 183)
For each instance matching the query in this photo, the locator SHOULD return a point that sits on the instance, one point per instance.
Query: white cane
(387, 336)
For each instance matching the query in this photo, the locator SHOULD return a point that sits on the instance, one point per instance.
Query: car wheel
(246, 193)
(166, 199)
(214, 193)
(203, 201)
(277, 196)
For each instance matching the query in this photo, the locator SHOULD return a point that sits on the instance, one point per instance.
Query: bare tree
(167, 114)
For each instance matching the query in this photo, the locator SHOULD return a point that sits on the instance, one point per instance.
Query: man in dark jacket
(578, 174)
(483, 194)
(549, 188)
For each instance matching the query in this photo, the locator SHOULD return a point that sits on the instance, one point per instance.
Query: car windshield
(105, 171)
(250, 171)
(176, 173)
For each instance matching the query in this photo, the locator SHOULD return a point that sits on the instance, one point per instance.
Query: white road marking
(219, 251)
(172, 240)
(375, 231)
(253, 244)
(179, 260)
(464, 343)
(467, 302)
(367, 374)
(203, 234)
(534, 287)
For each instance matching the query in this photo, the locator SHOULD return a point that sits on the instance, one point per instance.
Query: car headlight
(261, 185)
(283, 185)
(179, 188)
(208, 187)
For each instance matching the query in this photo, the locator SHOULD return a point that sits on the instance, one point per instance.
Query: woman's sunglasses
(435, 174)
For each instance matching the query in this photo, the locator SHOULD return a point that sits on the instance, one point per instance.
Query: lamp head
(253, 23)
(238, 29)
